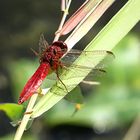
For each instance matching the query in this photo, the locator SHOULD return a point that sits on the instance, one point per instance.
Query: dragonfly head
(54, 52)
(61, 47)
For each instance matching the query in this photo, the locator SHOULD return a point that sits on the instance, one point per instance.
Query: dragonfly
(49, 61)
(50, 58)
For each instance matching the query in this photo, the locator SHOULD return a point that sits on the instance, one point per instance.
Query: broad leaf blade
(13, 111)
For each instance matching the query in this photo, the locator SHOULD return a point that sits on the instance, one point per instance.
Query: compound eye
(64, 50)
(61, 44)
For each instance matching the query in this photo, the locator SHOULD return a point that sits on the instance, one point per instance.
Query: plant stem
(33, 99)
(133, 132)
(25, 118)
(62, 21)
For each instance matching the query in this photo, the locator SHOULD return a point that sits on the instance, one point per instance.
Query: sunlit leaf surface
(13, 111)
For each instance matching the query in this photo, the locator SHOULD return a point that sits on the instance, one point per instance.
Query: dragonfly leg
(61, 81)
(60, 94)
(39, 92)
(36, 53)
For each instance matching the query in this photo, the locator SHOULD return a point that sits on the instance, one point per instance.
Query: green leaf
(110, 35)
(13, 111)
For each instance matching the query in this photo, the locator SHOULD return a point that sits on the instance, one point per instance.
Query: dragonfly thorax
(53, 54)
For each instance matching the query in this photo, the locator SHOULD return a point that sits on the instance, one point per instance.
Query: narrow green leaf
(110, 35)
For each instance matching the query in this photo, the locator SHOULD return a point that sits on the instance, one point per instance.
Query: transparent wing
(74, 54)
(92, 78)
(96, 72)
(43, 44)
(18, 122)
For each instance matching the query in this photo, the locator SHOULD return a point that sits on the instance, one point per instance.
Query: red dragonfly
(50, 60)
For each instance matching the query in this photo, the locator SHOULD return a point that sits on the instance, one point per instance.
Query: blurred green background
(109, 110)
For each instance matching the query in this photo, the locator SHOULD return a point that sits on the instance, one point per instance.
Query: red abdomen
(34, 82)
